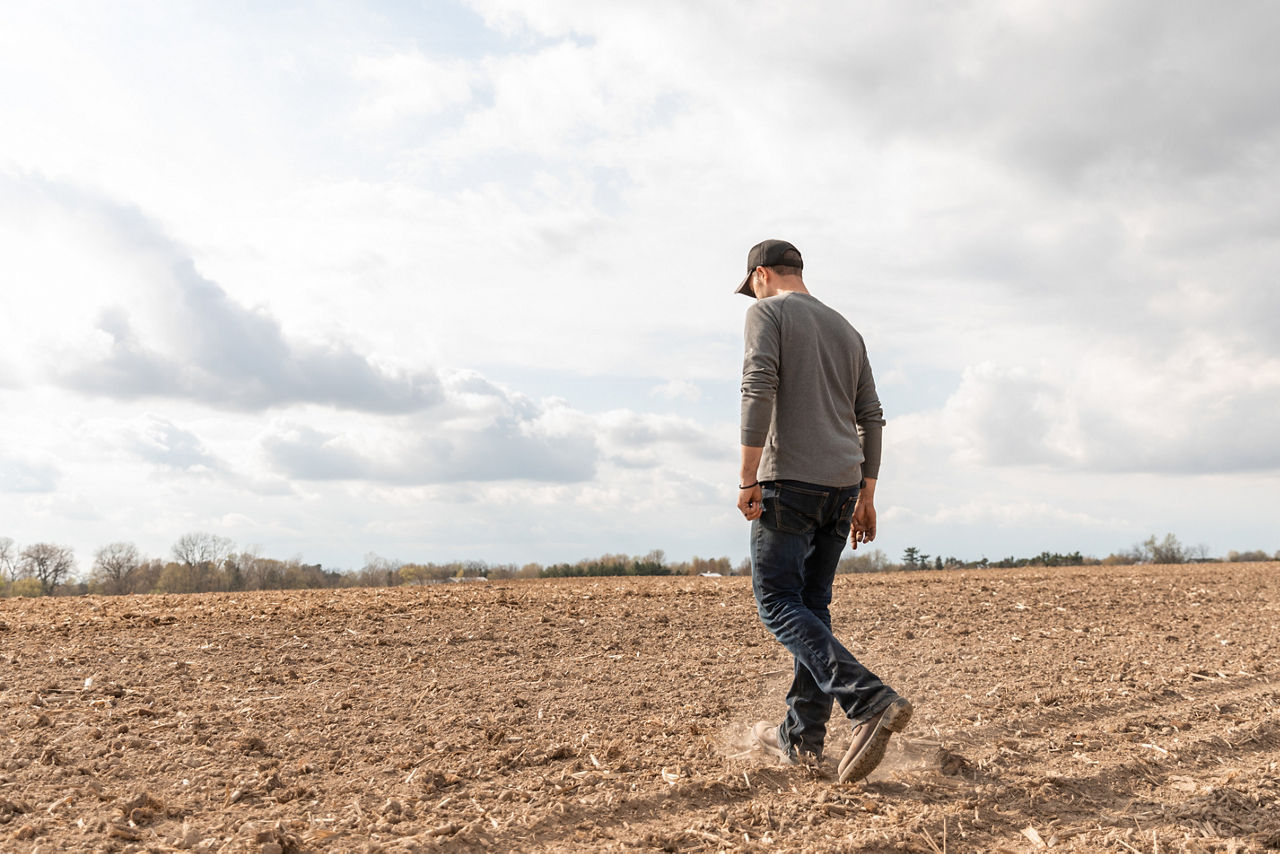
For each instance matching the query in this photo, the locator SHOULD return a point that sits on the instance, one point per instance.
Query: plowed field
(1127, 709)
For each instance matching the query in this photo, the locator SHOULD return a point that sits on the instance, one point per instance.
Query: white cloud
(411, 86)
(678, 390)
(989, 513)
(1201, 409)
(428, 451)
(164, 444)
(163, 330)
(22, 474)
(483, 433)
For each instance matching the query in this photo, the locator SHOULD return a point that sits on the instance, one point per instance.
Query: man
(811, 424)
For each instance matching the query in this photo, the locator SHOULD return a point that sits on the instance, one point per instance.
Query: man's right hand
(751, 499)
(751, 502)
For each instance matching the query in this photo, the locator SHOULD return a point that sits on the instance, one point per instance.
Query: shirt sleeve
(870, 417)
(760, 364)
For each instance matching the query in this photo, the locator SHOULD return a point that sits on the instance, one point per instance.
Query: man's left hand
(864, 523)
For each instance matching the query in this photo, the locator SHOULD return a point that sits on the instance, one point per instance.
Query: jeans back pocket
(794, 509)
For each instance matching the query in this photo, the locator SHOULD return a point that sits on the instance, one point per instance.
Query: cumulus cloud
(303, 452)
(479, 432)
(482, 432)
(648, 440)
(411, 85)
(1197, 413)
(164, 444)
(169, 331)
(229, 356)
(657, 438)
(20, 474)
(432, 452)
(1086, 91)
(1007, 514)
(678, 390)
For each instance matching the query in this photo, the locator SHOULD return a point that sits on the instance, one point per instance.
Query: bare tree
(200, 547)
(47, 563)
(258, 572)
(1198, 553)
(1168, 550)
(114, 567)
(203, 554)
(9, 559)
(147, 576)
(379, 571)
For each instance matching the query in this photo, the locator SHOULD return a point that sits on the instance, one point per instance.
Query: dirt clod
(950, 764)
(120, 830)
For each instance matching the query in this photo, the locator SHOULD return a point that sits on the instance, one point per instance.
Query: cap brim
(745, 287)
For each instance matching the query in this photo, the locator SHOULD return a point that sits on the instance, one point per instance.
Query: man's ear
(761, 277)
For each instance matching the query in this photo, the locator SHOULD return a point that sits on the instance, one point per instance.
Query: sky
(453, 280)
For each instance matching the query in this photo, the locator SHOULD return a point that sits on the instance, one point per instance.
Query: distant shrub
(1255, 556)
(866, 561)
(24, 587)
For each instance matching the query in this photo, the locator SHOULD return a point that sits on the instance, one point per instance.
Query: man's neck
(787, 288)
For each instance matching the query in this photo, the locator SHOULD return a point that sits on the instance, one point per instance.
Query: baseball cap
(769, 253)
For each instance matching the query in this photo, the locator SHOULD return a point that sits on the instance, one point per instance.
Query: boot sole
(855, 766)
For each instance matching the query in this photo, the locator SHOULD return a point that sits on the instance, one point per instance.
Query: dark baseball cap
(769, 253)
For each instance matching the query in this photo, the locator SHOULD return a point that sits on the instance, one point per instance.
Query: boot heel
(899, 715)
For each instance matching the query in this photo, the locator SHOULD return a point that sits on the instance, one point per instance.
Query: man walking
(811, 424)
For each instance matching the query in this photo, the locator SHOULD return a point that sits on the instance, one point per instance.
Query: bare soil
(1080, 709)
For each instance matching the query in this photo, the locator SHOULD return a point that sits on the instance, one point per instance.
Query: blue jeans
(795, 546)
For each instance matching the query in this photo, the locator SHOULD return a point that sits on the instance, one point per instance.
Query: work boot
(764, 735)
(870, 739)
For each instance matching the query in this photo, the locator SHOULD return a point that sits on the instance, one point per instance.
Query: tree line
(1152, 550)
(200, 562)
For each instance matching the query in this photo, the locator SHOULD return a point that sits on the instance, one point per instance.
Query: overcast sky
(448, 280)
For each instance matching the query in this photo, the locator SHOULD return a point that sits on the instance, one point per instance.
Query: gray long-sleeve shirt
(808, 397)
